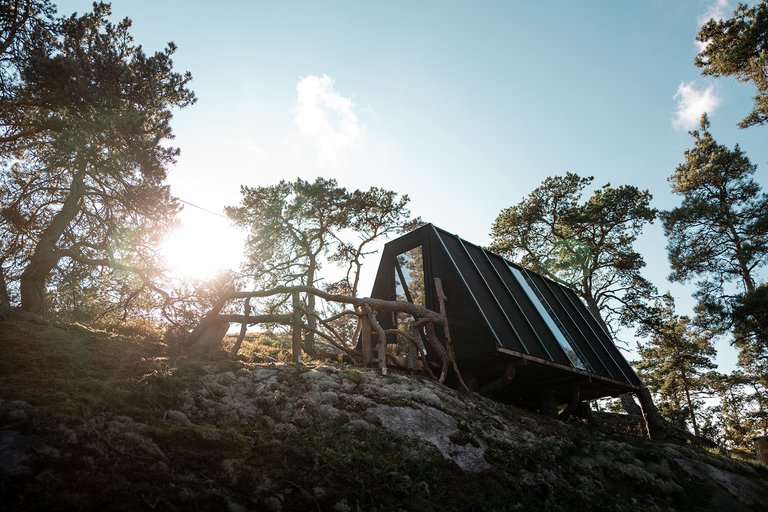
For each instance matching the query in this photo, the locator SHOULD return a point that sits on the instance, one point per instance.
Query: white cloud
(326, 118)
(717, 11)
(691, 103)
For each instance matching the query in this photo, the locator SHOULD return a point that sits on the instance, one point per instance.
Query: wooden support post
(547, 402)
(382, 350)
(366, 337)
(442, 299)
(412, 352)
(296, 334)
(500, 382)
(573, 405)
(584, 411)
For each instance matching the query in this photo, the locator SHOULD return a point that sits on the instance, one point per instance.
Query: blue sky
(464, 106)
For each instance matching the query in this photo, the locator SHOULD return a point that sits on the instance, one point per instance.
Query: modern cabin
(504, 320)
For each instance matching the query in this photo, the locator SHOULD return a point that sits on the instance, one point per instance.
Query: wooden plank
(366, 340)
(570, 369)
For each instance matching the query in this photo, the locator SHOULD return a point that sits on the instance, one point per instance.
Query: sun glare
(202, 249)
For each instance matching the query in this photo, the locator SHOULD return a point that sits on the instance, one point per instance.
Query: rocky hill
(91, 420)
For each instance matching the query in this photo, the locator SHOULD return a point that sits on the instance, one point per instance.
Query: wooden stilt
(573, 405)
(366, 338)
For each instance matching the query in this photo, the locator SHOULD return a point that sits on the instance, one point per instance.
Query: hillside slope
(90, 420)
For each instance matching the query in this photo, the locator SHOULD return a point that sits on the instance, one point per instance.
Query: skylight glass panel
(543, 310)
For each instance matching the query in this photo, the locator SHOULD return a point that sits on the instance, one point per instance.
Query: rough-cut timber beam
(377, 304)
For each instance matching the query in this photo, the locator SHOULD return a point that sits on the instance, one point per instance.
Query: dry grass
(67, 370)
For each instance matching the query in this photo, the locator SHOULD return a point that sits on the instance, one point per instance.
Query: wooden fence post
(382, 350)
(366, 337)
(412, 352)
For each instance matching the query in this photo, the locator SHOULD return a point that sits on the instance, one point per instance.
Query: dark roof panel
(496, 307)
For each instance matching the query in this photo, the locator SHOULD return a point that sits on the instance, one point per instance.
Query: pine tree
(736, 47)
(83, 152)
(719, 233)
(675, 362)
(587, 246)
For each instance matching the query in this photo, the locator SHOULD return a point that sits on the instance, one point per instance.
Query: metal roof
(499, 312)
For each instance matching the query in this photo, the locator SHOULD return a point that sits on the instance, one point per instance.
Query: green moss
(354, 375)
(264, 435)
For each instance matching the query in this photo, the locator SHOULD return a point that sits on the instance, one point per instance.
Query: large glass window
(409, 286)
(409, 276)
(549, 317)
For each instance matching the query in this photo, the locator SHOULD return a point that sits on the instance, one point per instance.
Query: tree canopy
(586, 245)
(83, 153)
(674, 362)
(294, 227)
(719, 232)
(738, 47)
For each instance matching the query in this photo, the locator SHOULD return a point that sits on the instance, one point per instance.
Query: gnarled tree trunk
(5, 298)
(309, 337)
(46, 254)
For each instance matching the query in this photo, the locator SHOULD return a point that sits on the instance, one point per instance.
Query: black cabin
(501, 316)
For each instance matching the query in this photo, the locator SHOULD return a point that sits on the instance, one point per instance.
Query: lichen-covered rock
(438, 428)
(232, 435)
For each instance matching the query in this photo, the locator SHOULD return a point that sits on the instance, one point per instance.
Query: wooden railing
(423, 325)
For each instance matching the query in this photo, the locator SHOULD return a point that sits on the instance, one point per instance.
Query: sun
(201, 249)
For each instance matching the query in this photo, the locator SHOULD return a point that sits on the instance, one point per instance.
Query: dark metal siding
(488, 309)
(469, 319)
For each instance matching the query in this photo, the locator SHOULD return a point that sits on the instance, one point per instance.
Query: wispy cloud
(326, 118)
(717, 11)
(692, 102)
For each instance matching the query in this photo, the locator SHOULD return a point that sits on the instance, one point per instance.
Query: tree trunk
(243, 330)
(210, 339)
(629, 405)
(594, 308)
(746, 275)
(5, 298)
(296, 330)
(653, 423)
(686, 387)
(45, 256)
(309, 337)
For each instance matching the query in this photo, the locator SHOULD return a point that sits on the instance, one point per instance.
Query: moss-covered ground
(96, 420)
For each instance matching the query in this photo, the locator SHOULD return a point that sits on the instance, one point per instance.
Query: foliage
(750, 319)
(587, 246)
(719, 232)
(190, 299)
(739, 413)
(373, 214)
(293, 227)
(736, 47)
(83, 154)
(674, 362)
(21, 22)
(718, 235)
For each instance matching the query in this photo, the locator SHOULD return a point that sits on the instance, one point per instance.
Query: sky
(464, 106)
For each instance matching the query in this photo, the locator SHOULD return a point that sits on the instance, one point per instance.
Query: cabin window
(549, 317)
(409, 276)
(409, 286)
